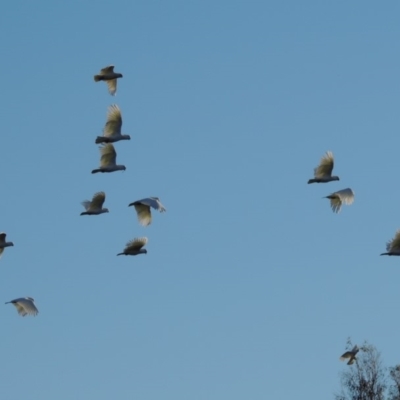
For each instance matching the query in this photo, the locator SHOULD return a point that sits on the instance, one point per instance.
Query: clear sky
(251, 284)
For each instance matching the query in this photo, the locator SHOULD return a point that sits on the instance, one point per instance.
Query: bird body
(108, 160)
(95, 207)
(323, 173)
(351, 354)
(344, 196)
(134, 247)
(112, 129)
(143, 209)
(24, 306)
(108, 75)
(393, 246)
(3, 243)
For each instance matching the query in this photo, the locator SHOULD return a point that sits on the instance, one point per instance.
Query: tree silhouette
(366, 378)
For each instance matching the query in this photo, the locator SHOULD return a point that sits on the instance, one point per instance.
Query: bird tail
(95, 171)
(385, 254)
(98, 78)
(84, 213)
(120, 254)
(101, 139)
(311, 181)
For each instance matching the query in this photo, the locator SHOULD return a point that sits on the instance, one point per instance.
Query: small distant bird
(108, 160)
(143, 210)
(134, 247)
(3, 243)
(344, 196)
(25, 306)
(112, 129)
(108, 75)
(95, 207)
(323, 173)
(351, 354)
(393, 246)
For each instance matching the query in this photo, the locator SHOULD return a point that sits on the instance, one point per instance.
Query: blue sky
(251, 285)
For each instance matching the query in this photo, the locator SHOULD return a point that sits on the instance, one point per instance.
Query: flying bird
(112, 129)
(108, 160)
(351, 354)
(143, 209)
(344, 196)
(323, 173)
(95, 207)
(134, 247)
(108, 75)
(3, 243)
(393, 246)
(25, 306)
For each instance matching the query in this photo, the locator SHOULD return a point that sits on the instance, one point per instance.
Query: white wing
(153, 202)
(107, 70)
(143, 213)
(98, 201)
(108, 155)
(28, 305)
(112, 86)
(136, 244)
(325, 166)
(114, 121)
(344, 196)
(394, 244)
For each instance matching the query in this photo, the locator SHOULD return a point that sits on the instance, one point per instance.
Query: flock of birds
(323, 174)
(108, 163)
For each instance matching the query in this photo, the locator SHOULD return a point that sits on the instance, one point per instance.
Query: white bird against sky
(344, 196)
(112, 129)
(24, 306)
(95, 206)
(351, 355)
(108, 160)
(134, 247)
(393, 246)
(143, 209)
(323, 173)
(4, 243)
(108, 75)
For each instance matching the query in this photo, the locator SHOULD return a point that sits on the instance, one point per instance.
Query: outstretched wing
(143, 213)
(107, 70)
(394, 244)
(108, 155)
(86, 204)
(114, 121)
(97, 201)
(136, 244)
(344, 196)
(336, 203)
(153, 202)
(347, 354)
(3, 237)
(325, 166)
(112, 86)
(28, 307)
